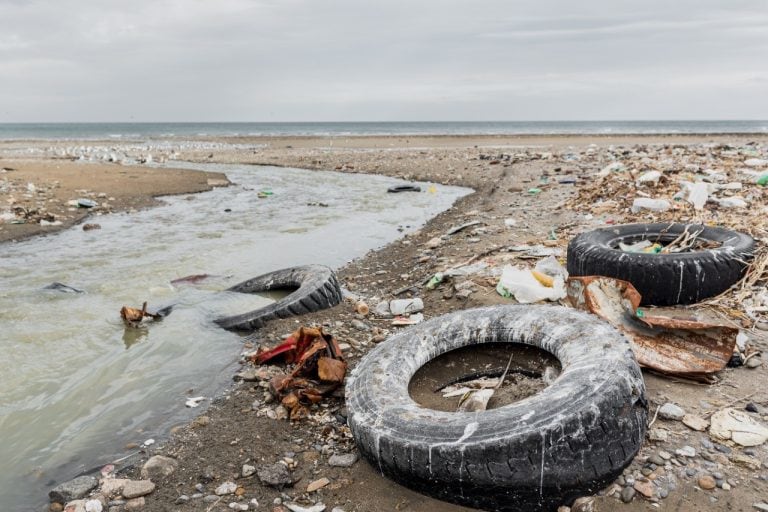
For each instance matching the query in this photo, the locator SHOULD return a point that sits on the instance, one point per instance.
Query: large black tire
(663, 279)
(571, 439)
(317, 289)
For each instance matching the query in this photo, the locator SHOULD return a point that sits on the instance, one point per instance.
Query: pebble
(686, 451)
(158, 467)
(627, 494)
(706, 482)
(182, 499)
(754, 362)
(691, 471)
(211, 498)
(276, 475)
(248, 470)
(583, 504)
(93, 506)
(656, 459)
(695, 422)
(644, 488)
(706, 443)
(238, 506)
(317, 484)
(670, 411)
(360, 326)
(762, 507)
(135, 504)
(658, 435)
(73, 489)
(137, 488)
(342, 460)
(750, 407)
(226, 488)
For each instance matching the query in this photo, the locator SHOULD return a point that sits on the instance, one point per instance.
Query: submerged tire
(571, 439)
(317, 289)
(663, 279)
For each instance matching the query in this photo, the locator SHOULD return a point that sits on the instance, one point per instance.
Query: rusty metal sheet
(668, 340)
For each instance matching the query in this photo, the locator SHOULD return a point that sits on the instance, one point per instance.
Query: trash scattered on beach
(544, 282)
(319, 369)
(133, 317)
(194, 402)
(61, 287)
(86, 203)
(191, 279)
(668, 340)
(403, 188)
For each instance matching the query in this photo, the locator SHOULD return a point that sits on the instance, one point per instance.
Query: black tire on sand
(316, 288)
(663, 279)
(570, 440)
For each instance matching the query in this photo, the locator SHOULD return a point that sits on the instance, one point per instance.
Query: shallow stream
(76, 386)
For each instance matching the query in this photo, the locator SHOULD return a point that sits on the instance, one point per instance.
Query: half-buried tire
(664, 279)
(572, 439)
(316, 288)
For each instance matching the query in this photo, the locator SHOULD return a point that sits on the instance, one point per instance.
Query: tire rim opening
(472, 367)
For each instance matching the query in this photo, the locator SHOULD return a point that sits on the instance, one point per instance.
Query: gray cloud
(286, 60)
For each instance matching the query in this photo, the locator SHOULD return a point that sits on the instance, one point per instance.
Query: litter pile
(319, 369)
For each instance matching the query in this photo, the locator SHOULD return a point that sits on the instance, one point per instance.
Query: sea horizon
(153, 130)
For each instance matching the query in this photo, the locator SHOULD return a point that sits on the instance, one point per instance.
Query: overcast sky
(345, 60)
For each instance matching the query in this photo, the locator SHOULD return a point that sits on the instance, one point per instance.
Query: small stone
(584, 504)
(664, 455)
(226, 488)
(686, 451)
(690, 472)
(658, 435)
(360, 325)
(93, 506)
(182, 499)
(137, 488)
(645, 471)
(670, 411)
(238, 506)
(211, 498)
(754, 362)
(112, 487)
(644, 488)
(695, 422)
(762, 507)
(750, 407)
(248, 375)
(275, 475)
(663, 493)
(281, 413)
(433, 243)
(342, 460)
(158, 467)
(200, 422)
(706, 443)
(317, 484)
(135, 504)
(627, 494)
(73, 490)
(561, 508)
(248, 470)
(55, 507)
(746, 461)
(706, 482)
(656, 459)
(75, 506)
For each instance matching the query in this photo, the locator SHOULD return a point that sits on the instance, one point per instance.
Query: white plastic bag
(525, 288)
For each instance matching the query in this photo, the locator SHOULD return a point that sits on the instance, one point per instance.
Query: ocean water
(132, 131)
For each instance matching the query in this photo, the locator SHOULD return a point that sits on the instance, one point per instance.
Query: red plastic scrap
(320, 369)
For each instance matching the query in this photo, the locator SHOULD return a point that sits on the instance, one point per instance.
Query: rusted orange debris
(673, 341)
(133, 316)
(320, 369)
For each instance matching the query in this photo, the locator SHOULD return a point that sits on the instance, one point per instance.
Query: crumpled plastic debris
(545, 282)
(320, 369)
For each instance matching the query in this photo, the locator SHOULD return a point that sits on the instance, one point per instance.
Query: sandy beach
(528, 191)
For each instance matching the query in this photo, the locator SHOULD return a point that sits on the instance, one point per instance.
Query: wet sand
(42, 188)
(239, 428)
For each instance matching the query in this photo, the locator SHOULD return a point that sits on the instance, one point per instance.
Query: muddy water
(76, 386)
